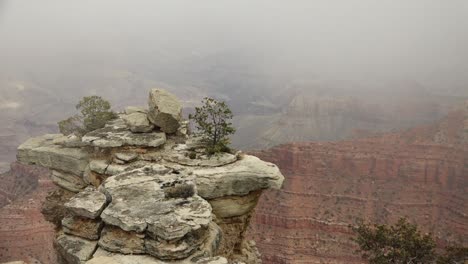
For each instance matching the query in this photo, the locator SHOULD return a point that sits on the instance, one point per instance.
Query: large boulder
(165, 110)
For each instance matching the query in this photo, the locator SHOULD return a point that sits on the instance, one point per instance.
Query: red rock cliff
(24, 233)
(420, 173)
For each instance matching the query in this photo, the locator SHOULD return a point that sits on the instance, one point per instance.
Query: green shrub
(95, 112)
(212, 121)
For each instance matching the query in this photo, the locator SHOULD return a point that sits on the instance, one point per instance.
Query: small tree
(95, 112)
(402, 243)
(212, 120)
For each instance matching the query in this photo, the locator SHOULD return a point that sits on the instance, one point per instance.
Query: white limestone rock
(43, 152)
(88, 203)
(117, 134)
(138, 122)
(239, 178)
(165, 110)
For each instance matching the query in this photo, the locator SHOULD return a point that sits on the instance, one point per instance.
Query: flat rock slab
(43, 152)
(75, 250)
(88, 203)
(165, 110)
(117, 134)
(240, 178)
(82, 227)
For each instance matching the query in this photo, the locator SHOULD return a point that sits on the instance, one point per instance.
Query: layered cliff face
(141, 190)
(24, 233)
(419, 173)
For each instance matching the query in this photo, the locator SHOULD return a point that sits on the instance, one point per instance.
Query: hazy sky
(356, 39)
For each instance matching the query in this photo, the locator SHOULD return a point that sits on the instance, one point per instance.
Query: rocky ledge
(142, 190)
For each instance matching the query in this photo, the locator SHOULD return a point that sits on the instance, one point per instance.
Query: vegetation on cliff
(212, 120)
(95, 112)
(403, 243)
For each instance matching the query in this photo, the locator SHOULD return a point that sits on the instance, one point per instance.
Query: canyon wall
(24, 233)
(419, 173)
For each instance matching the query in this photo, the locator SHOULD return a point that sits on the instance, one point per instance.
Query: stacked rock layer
(141, 190)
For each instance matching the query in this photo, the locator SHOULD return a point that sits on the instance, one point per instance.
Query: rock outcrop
(132, 188)
(419, 173)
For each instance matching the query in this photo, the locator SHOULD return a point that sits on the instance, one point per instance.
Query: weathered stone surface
(239, 178)
(138, 122)
(82, 227)
(73, 249)
(88, 203)
(98, 166)
(115, 239)
(68, 181)
(42, 151)
(165, 110)
(231, 206)
(181, 155)
(70, 141)
(15, 262)
(117, 134)
(126, 156)
(138, 203)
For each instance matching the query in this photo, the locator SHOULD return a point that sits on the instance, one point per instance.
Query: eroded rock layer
(420, 173)
(24, 233)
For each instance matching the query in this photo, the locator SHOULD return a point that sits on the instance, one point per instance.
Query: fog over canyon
(360, 103)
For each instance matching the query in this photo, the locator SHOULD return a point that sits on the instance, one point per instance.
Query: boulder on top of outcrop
(74, 250)
(137, 121)
(239, 178)
(88, 203)
(43, 152)
(165, 110)
(116, 134)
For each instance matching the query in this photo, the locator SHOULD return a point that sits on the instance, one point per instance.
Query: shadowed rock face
(419, 173)
(126, 192)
